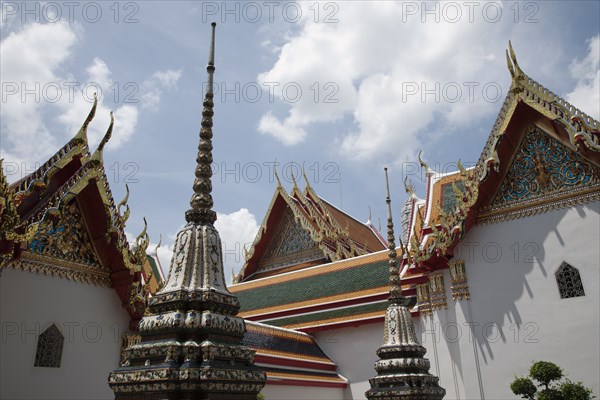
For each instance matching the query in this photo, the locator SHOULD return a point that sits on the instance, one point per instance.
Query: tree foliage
(548, 377)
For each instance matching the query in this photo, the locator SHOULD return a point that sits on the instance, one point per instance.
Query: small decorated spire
(202, 202)
(395, 289)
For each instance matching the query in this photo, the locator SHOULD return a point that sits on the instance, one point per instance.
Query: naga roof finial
(409, 187)
(201, 211)
(395, 289)
(123, 202)
(275, 171)
(294, 180)
(97, 156)
(158, 245)
(81, 136)
(513, 66)
(369, 220)
(305, 177)
(422, 163)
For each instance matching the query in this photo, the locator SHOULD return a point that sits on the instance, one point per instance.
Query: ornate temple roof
(325, 296)
(542, 154)
(305, 230)
(51, 222)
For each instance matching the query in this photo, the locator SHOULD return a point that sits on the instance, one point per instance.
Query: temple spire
(395, 289)
(202, 202)
(402, 372)
(190, 330)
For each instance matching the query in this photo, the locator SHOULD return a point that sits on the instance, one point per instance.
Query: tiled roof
(290, 357)
(323, 295)
(328, 317)
(372, 275)
(338, 235)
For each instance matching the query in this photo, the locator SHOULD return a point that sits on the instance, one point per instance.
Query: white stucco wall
(284, 392)
(91, 320)
(353, 349)
(515, 315)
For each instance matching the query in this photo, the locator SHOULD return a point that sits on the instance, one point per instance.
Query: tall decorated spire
(190, 334)
(395, 289)
(202, 202)
(402, 372)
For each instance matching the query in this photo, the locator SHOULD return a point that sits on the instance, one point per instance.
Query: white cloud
(287, 132)
(29, 59)
(236, 230)
(74, 112)
(36, 86)
(153, 87)
(374, 70)
(586, 94)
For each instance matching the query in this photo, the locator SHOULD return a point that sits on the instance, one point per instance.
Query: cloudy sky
(343, 88)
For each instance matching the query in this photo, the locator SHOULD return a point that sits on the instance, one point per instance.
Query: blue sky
(344, 88)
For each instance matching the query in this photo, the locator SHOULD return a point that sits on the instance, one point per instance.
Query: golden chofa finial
(97, 156)
(81, 136)
(158, 245)
(409, 187)
(305, 177)
(275, 172)
(295, 186)
(512, 63)
(123, 203)
(422, 163)
(143, 240)
(201, 203)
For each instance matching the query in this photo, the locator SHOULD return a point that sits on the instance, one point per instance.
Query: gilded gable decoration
(450, 227)
(289, 244)
(541, 169)
(583, 130)
(66, 239)
(304, 230)
(458, 278)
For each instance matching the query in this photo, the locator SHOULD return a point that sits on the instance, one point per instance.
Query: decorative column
(458, 278)
(402, 372)
(191, 334)
(437, 291)
(423, 301)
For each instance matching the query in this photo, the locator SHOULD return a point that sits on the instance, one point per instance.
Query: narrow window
(49, 348)
(569, 281)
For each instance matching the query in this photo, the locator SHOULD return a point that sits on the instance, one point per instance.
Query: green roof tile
(348, 280)
(325, 315)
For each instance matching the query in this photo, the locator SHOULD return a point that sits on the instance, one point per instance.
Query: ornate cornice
(62, 268)
(566, 200)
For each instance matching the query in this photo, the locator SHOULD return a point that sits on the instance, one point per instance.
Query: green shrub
(549, 387)
(523, 387)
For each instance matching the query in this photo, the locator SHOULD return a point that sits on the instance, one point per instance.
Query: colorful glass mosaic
(543, 166)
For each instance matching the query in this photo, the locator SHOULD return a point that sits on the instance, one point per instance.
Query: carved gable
(64, 248)
(543, 168)
(289, 244)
